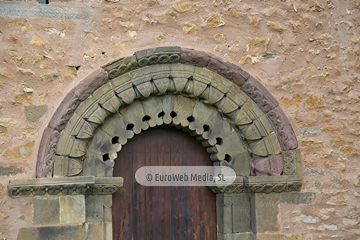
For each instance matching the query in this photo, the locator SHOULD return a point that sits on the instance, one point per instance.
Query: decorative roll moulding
(85, 185)
(237, 120)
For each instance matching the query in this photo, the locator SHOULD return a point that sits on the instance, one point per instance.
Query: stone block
(153, 106)
(241, 163)
(236, 236)
(104, 143)
(121, 66)
(133, 115)
(46, 152)
(266, 210)
(183, 109)
(300, 198)
(238, 96)
(228, 70)
(232, 145)
(233, 213)
(259, 94)
(283, 128)
(64, 112)
(247, 113)
(72, 209)
(34, 113)
(270, 166)
(269, 145)
(193, 57)
(121, 80)
(66, 167)
(178, 70)
(201, 115)
(19, 10)
(95, 231)
(158, 55)
(116, 126)
(90, 83)
(53, 233)
(46, 210)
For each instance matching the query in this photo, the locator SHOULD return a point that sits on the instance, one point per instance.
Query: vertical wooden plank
(162, 212)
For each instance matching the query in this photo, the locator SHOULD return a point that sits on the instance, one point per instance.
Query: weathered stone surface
(7, 122)
(34, 113)
(72, 209)
(283, 129)
(64, 112)
(269, 145)
(121, 66)
(11, 170)
(266, 208)
(95, 231)
(20, 153)
(189, 28)
(228, 70)
(270, 166)
(193, 57)
(46, 152)
(46, 210)
(259, 94)
(182, 7)
(18, 10)
(66, 167)
(90, 83)
(314, 101)
(214, 20)
(337, 200)
(236, 236)
(95, 208)
(53, 233)
(234, 213)
(300, 198)
(133, 114)
(158, 55)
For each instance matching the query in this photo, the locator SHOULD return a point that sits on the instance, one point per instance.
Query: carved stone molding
(87, 185)
(261, 185)
(190, 81)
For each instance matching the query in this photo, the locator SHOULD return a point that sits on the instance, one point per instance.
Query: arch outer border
(246, 83)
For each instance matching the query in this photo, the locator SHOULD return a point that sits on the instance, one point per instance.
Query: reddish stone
(46, 152)
(90, 83)
(228, 70)
(270, 166)
(283, 128)
(64, 112)
(193, 57)
(259, 94)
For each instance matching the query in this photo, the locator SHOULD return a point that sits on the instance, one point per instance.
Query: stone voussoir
(90, 83)
(46, 152)
(64, 112)
(283, 129)
(193, 57)
(259, 94)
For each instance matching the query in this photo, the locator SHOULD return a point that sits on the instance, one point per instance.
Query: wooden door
(168, 213)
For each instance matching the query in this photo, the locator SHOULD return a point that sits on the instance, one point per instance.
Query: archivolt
(234, 116)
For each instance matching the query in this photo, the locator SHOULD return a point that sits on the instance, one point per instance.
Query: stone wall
(305, 53)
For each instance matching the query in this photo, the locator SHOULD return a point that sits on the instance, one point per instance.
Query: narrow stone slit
(130, 127)
(227, 158)
(191, 119)
(106, 157)
(115, 140)
(161, 114)
(146, 118)
(173, 114)
(206, 128)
